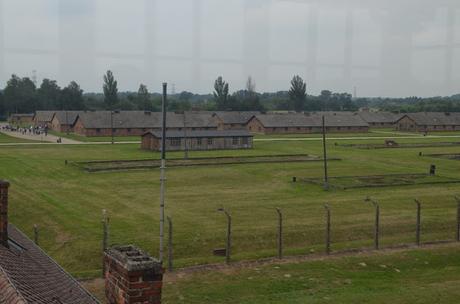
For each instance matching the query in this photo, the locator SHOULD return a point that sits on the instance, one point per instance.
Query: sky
(391, 48)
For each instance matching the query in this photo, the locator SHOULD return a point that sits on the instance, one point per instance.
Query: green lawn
(66, 202)
(415, 276)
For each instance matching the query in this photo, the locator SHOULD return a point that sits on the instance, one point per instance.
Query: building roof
(434, 118)
(67, 117)
(44, 116)
(233, 117)
(33, 277)
(201, 134)
(145, 120)
(313, 119)
(379, 117)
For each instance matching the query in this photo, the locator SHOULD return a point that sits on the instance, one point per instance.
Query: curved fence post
(418, 225)
(280, 233)
(36, 234)
(328, 229)
(377, 222)
(229, 235)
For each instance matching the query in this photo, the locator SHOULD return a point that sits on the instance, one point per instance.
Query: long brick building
(429, 121)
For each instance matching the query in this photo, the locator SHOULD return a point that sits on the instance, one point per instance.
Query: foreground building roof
(312, 119)
(44, 116)
(434, 118)
(67, 117)
(29, 275)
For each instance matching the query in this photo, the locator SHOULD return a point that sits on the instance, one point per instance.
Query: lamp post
(326, 179)
(162, 172)
(229, 234)
(377, 221)
(328, 228)
(280, 233)
(418, 225)
(457, 198)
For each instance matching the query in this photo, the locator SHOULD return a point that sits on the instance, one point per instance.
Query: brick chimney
(4, 185)
(132, 276)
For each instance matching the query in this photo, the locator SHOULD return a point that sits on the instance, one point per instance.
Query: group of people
(31, 130)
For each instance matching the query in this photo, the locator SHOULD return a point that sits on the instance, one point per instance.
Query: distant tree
(298, 93)
(250, 85)
(143, 98)
(71, 97)
(325, 97)
(2, 107)
(110, 90)
(20, 95)
(49, 95)
(221, 93)
(185, 96)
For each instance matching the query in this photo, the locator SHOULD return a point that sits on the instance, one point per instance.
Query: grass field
(66, 202)
(415, 276)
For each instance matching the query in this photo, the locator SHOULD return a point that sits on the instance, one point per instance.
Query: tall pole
(162, 172)
(328, 229)
(280, 233)
(111, 125)
(185, 137)
(418, 225)
(457, 198)
(377, 222)
(67, 121)
(229, 235)
(326, 179)
(105, 237)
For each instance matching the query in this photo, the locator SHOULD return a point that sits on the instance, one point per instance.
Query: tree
(49, 95)
(72, 97)
(298, 93)
(143, 98)
(250, 85)
(325, 98)
(221, 93)
(110, 90)
(20, 95)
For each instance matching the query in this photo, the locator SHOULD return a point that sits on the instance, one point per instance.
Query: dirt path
(42, 138)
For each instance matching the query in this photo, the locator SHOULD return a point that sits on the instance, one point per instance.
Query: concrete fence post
(328, 229)
(457, 198)
(170, 244)
(377, 222)
(418, 225)
(280, 233)
(36, 234)
(229, 235)
(105, 237)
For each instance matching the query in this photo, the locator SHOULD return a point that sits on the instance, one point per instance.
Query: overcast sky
(381, 48)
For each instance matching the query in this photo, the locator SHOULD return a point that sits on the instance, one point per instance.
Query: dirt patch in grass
(116, 165)
(386, 180)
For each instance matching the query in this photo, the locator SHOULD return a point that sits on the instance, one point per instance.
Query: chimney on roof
(4, 185)
(132, 276)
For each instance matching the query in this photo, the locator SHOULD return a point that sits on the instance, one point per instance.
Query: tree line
(21, 95)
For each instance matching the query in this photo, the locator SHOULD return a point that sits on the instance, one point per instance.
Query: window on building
(175, 142)
(129, 130)
(210, 141)
(199, 141)
(245, 140)
(98, 131)
(235, 141)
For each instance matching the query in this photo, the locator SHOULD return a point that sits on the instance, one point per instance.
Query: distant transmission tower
(173, 89)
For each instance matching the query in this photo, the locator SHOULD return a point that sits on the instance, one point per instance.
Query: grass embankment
(66, 202)
(415, 276)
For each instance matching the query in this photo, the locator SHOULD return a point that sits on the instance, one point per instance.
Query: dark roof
(379, 117)
(202, 134)
(434, 118)
(145, 120)
(313, 119)
(67, 117)
(44, 116)
(232, 117)
(34, 276)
